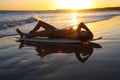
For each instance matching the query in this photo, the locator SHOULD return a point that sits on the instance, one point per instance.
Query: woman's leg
(41, 33)
(46, 26)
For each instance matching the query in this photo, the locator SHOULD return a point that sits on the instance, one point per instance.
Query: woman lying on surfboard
(81, 33)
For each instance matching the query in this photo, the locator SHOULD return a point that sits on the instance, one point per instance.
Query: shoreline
(105, 26)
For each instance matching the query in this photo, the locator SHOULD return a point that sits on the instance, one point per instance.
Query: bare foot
(20, 33)
(100, 38)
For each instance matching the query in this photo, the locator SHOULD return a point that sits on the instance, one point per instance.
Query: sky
(56, 4)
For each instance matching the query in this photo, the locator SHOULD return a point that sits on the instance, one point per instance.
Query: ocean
(26, 20)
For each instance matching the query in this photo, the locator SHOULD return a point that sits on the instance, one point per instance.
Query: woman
(82, 32)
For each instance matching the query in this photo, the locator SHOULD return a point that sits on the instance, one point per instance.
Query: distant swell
(13, 23)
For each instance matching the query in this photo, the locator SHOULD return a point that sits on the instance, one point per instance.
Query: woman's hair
(83, 35)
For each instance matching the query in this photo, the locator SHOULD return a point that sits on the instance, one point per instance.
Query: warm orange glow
(55, 4)
(74, 20)
(37, 17)
(74, 4)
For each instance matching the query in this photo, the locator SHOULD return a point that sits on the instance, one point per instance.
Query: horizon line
(102, 8)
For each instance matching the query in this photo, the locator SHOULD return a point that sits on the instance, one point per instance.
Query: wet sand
(100, 60)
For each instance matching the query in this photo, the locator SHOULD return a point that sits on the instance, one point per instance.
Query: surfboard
(46, 40)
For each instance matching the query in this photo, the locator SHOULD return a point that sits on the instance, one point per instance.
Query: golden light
(37, 17)
(74, 20)
(74, 4)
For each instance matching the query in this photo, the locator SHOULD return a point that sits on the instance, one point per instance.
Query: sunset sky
(56, 4)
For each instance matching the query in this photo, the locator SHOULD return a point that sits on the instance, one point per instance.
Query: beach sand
(100, 61)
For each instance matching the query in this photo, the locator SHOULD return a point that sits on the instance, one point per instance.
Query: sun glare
(74, 20)
(74, 4)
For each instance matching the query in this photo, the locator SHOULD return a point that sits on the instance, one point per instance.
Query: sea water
(26, 20)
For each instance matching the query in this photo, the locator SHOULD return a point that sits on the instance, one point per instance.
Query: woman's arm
(82, 25)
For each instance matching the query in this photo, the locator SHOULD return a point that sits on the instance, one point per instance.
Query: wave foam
(13, 23)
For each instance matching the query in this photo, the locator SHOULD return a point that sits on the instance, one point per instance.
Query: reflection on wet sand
(82, 52)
